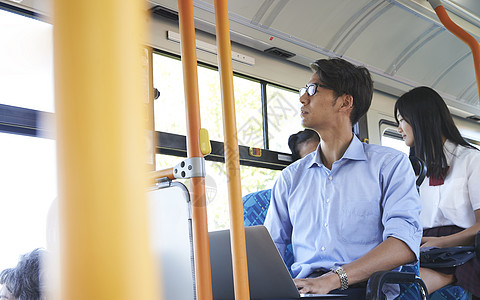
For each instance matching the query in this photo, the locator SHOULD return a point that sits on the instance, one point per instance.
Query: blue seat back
(255, 206)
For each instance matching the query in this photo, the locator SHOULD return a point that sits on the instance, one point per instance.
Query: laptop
(267, 274)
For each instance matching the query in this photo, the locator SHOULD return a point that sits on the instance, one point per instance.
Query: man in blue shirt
(349, 209)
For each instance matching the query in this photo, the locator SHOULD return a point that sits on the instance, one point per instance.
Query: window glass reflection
(28, 188)
(283, 117)
(26, 60)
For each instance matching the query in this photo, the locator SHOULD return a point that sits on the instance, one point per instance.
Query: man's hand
(320, 285)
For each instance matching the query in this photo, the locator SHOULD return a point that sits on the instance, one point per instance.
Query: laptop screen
(268, 275)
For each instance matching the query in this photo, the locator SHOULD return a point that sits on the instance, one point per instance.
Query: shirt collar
(355, 151)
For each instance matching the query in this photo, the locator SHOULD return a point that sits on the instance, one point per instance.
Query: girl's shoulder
(472, 156)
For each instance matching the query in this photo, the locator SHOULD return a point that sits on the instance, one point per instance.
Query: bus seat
(379, 279)
(449, 292)
(420, 169)
(172, 242)
(255, 206)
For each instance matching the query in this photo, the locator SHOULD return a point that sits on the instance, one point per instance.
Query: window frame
(25, 121)
(174, 144)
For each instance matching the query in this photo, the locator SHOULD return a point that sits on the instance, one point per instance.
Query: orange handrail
(199, 205)
(102, 176)
(168, 173)
(237, 231)
(461, 34)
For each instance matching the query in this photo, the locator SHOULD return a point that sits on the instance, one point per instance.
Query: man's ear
(347, 102)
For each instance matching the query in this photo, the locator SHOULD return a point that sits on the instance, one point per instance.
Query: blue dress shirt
(333, 217)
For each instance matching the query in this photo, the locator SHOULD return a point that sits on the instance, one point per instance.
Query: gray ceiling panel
(454, 82)
(472, 6)
(390, 38)
(431, 60)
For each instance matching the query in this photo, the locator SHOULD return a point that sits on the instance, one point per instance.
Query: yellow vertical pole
(237, 232)
(199, 205)
(100, 110)
(147, 68)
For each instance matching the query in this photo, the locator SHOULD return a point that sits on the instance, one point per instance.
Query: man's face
(5, 294)
(318, 109)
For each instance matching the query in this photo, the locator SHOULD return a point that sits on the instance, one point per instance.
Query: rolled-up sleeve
(401, 203)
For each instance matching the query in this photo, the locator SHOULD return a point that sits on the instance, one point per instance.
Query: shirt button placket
(327, 200)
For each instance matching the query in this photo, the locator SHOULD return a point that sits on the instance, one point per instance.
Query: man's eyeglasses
(311, 89)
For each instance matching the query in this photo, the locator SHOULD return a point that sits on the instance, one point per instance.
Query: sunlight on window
(216, 186)
(28, 181)
(26, 62)
(393, 142)
(283, 117)
(253, 179)
(170, 107)
(248, 107)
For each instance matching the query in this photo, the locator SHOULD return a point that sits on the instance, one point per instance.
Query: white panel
(171, 236)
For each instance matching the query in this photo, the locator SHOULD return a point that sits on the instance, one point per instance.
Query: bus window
(26, 57)
(170, 106)
(248, 108)
(28, 187)
(253, 179)
(391, 138)
(283, 117)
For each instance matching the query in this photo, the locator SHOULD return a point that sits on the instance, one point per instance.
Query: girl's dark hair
(301, 137)
(426, 112)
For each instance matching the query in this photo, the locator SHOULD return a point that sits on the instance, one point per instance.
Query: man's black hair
(345, 78)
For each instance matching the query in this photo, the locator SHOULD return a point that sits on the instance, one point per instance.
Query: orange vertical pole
(102, 175)
(199, 205)
(461, 34)
(237, 231)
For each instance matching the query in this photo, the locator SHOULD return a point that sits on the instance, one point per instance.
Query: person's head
(23, 282)
(303, 143)
(350, 88)
(425, 122)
